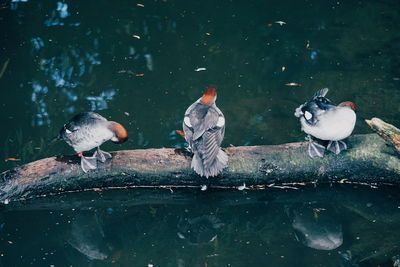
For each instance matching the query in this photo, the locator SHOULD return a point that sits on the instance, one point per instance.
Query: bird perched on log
(204, 128)
(88, 130)
(322, 120)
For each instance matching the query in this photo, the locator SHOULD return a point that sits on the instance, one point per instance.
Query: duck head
(348, 104)
(120, 133)
(209, 96)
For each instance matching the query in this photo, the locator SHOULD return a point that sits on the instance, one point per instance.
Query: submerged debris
(200, 69)
(199, 230)
(11, 159)
(3, 69)
(292, 84)
(242, 187)
(280, 22)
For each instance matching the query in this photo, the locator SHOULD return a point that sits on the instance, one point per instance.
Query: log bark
(368, 160)
(388, 132)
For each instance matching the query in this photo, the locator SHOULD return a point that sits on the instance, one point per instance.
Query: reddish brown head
(348, 104)
(121, 135)
(209, 96)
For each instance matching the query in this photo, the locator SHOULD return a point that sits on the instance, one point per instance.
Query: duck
(324, 121)
(204, 129)
(88, 130)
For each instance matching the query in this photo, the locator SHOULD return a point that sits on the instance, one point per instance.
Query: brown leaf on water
(11, 159)
(180, 133)
(292, 84)
(3, 69)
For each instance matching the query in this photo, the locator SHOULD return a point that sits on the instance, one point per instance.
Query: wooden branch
(388, 132)
(368, 160)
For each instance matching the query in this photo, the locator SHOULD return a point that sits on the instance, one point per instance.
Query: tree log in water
(387, 131)
(368, 160)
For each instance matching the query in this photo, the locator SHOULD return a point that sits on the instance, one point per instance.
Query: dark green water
(136, 65)
(193, 228)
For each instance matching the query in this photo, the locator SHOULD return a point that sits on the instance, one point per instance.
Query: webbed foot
(315, 149)
(336, 146)
(88, 163)
(189, 149)
(101, 155)
(183, 152)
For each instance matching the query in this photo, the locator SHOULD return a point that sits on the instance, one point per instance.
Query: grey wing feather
(82, 119)
(188, 129)
(321, 93)
(96, 116)
(209, 160)
(212, 140)
(200, 126)
(188, 134)
(208, 146)
(205, 138)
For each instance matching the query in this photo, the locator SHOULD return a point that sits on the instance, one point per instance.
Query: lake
(142, 63)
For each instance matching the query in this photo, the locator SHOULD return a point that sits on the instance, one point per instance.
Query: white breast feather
(335, 125)
(221, 121)
(186, 120)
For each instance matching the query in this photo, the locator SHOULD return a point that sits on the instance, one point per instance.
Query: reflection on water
(198, 230)
(317, 226)
(38, 95)
(87, 236)
(57, 16)
(100, 102)
(313, 226)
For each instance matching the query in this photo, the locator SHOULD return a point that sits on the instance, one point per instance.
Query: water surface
(142, 63)
(345, 225)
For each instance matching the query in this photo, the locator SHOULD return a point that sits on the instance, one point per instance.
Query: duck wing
(313, 109)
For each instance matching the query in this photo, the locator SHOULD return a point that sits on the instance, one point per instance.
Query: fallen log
(368, 160)
(388, 132)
